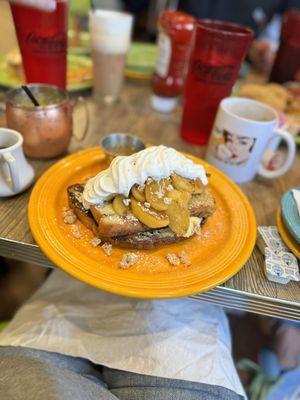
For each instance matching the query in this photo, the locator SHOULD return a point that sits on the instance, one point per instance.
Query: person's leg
(27, 374)
(130, 386)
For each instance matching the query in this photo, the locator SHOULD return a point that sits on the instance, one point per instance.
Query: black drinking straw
(92, 5)
(30, 95)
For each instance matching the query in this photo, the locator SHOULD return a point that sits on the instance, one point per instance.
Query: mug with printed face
(16, 174)
(242, 131)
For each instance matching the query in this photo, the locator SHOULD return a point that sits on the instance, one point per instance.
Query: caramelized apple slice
(199, 187)
(147, 215)
(179, 218)
(187, 185)
(119, 206)
(138, 193)
(181, 197)
(156, 193)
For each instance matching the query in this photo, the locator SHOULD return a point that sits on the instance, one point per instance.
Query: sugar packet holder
(281, 266)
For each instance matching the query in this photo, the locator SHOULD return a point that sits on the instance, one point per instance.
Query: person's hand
(262, 55)
(46, 5)
(287, 345)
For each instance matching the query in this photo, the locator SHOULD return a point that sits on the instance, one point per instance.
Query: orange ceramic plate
(286, 236)
(227, 240)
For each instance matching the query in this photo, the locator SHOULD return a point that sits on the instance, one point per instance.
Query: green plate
(290, 214)
(9, 78)
(141, 60)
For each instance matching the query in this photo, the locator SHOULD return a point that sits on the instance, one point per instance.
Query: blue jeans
(27, 374)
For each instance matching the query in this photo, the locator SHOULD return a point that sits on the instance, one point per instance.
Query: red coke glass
(218, 51)
(287, 62)
(42, 37)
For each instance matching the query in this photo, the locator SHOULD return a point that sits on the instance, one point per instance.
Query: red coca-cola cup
(287, 62)
(42, 37)
(218, 51)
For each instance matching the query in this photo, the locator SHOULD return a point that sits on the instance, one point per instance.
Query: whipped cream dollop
(157, 162)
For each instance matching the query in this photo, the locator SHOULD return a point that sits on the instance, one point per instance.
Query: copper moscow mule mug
(47, 129)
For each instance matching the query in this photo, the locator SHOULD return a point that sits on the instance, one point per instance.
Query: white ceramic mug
(242, 131)
(16, 174)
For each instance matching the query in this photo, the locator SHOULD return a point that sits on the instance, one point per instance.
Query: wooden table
(249, 289)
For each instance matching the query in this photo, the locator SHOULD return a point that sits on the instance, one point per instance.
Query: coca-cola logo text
(54, 43)
(213, 74)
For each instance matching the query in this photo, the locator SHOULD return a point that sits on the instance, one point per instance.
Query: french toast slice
(127, 231)
(110, 224)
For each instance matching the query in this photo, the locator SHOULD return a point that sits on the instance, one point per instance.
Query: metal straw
(30, 95)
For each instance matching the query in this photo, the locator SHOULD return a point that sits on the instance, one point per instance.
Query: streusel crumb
(69, 217)
(126, 202)
(128, 260)
(107, 248)
(76, 232)
(95, 241)
(173, 259)
(184, 258)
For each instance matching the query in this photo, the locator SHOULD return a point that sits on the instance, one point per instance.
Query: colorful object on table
(218, 51)
(16, 174)
(289, 49)
(174, 43)
(110, 33)
(79, 73)
(281, 266)
(42, 38)
(290, 213)
(78, 42)
(48, 128)
(140, 61)
(227, 240)
(241, 133)
(286, 236)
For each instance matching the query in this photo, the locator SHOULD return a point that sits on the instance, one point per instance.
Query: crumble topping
(76, 232)
(95, 241)
(128, 260)
(147, 205)
(173, 259)
(184, 258)
(167, 200)
(160, 193)
(126, 202)
(69, 216)
(107, 248)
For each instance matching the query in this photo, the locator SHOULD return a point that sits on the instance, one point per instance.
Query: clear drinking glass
(110, 33)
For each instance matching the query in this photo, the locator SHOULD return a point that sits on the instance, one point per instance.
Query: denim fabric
(28, 374)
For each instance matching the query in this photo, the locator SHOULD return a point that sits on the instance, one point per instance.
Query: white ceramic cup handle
(291, 152)
(13, 170)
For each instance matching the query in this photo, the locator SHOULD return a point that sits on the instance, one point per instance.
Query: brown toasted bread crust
(147, 240)
(128, 231)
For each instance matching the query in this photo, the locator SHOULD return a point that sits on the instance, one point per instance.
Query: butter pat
(194, 227)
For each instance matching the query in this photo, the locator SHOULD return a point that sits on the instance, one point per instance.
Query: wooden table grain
(249, 289)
